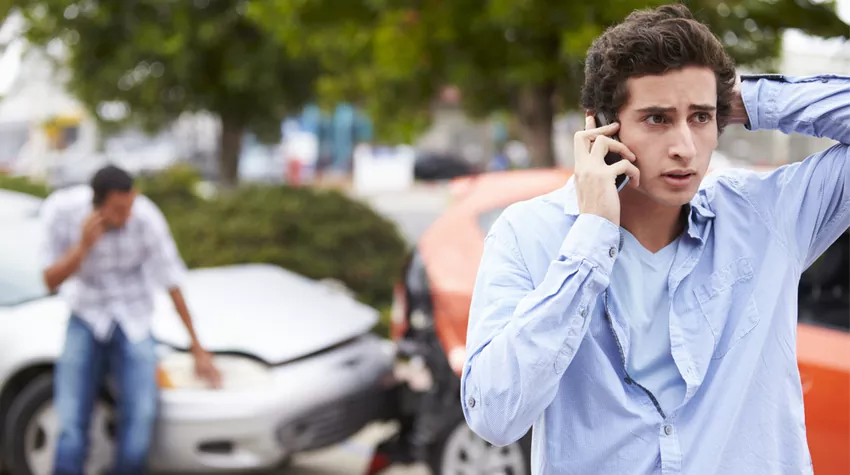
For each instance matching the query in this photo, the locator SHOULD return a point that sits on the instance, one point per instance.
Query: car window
(487, 218)
(20, 267)
(824, 293)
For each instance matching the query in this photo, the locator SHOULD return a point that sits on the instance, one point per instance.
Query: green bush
(173, 189)
(24, 185)
(319, 234)
(315, 233)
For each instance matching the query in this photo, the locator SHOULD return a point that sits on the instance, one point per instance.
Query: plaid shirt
(115, 284)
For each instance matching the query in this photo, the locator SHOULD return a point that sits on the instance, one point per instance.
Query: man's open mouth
(679, 174)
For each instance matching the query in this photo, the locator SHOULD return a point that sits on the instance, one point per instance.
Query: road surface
(413, 210)
(349, 458)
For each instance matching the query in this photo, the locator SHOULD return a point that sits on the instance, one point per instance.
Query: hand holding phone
(93, 229)
(594, 175)
(612, 157)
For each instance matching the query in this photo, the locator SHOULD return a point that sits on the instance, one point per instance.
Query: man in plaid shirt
(117, 245)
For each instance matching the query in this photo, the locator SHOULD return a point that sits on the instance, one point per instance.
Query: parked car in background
(441, 166)
(430, 317)
(14, 204)
(300, 365)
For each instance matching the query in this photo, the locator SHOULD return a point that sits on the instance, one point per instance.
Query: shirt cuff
(758, 92)
(595, 239)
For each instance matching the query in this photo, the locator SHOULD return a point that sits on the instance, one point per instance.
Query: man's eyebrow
(703, 107)
(665, 110)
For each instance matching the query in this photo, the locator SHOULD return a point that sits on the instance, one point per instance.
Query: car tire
(448, 455)
(23, 428)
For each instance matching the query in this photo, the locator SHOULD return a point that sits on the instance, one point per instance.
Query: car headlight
(177, 371)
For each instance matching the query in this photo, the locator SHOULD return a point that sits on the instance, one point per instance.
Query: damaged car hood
(262, 310)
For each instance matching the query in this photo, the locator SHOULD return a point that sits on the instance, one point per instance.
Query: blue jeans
(79, 379)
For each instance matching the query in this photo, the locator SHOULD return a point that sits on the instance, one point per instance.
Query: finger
(215, 377)
(585, 140)
(592, 133)
(589, 122)
(627, 168)
(209, 376)
(603, 145)
(212, 375)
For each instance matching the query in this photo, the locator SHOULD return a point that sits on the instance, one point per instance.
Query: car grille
(332, 423)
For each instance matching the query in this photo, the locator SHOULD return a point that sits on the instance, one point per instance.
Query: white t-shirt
(639, 283)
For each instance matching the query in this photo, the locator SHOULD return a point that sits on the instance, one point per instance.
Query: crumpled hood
(264, 311)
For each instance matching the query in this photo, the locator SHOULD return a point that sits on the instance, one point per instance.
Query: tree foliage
(163, 58)
(523, 56)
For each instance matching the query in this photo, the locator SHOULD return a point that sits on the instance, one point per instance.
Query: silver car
(301, 368)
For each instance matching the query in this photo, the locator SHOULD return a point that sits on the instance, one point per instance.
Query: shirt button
(470, 402)
(668, 429)
(612, 252)
(584, 312)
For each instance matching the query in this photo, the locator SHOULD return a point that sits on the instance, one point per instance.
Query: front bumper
(312, 403)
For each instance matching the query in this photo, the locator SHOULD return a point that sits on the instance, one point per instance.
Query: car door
(823, 353)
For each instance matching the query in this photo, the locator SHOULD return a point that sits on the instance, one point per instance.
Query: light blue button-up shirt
(547, 342)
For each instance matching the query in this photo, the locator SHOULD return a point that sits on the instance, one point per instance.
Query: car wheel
(32, 429)
(463, 452)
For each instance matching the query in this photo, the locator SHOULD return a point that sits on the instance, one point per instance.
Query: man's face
(116, 208)
(670, 124)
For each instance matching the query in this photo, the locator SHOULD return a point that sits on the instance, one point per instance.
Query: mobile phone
(612, 157)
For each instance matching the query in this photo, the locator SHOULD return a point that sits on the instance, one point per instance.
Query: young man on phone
(652, 331)
(117, 245)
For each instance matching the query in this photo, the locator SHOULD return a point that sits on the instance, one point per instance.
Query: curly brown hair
(650, 42)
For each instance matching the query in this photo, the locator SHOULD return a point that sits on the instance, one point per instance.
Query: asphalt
(412, 210)
(349, 458)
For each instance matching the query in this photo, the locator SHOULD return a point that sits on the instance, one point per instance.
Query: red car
(429, 324)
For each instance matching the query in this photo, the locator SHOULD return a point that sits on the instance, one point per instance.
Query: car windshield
(487, 218)
(20, 269)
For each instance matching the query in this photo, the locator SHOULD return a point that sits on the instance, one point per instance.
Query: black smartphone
(612, 157)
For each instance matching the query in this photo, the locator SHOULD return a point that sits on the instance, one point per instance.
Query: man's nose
(683, 146)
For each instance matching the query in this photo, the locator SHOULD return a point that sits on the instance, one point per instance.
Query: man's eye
(703, 117)
(655, 119)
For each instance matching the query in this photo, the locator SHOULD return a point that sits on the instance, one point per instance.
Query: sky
(797, 42)
(844, 10)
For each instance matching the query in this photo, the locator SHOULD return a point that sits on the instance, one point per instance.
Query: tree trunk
(229, 150)
(536, 114)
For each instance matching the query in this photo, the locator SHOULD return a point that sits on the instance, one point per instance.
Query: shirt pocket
(727, 301)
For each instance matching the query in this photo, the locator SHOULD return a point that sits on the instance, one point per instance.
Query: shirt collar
(699, 210)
